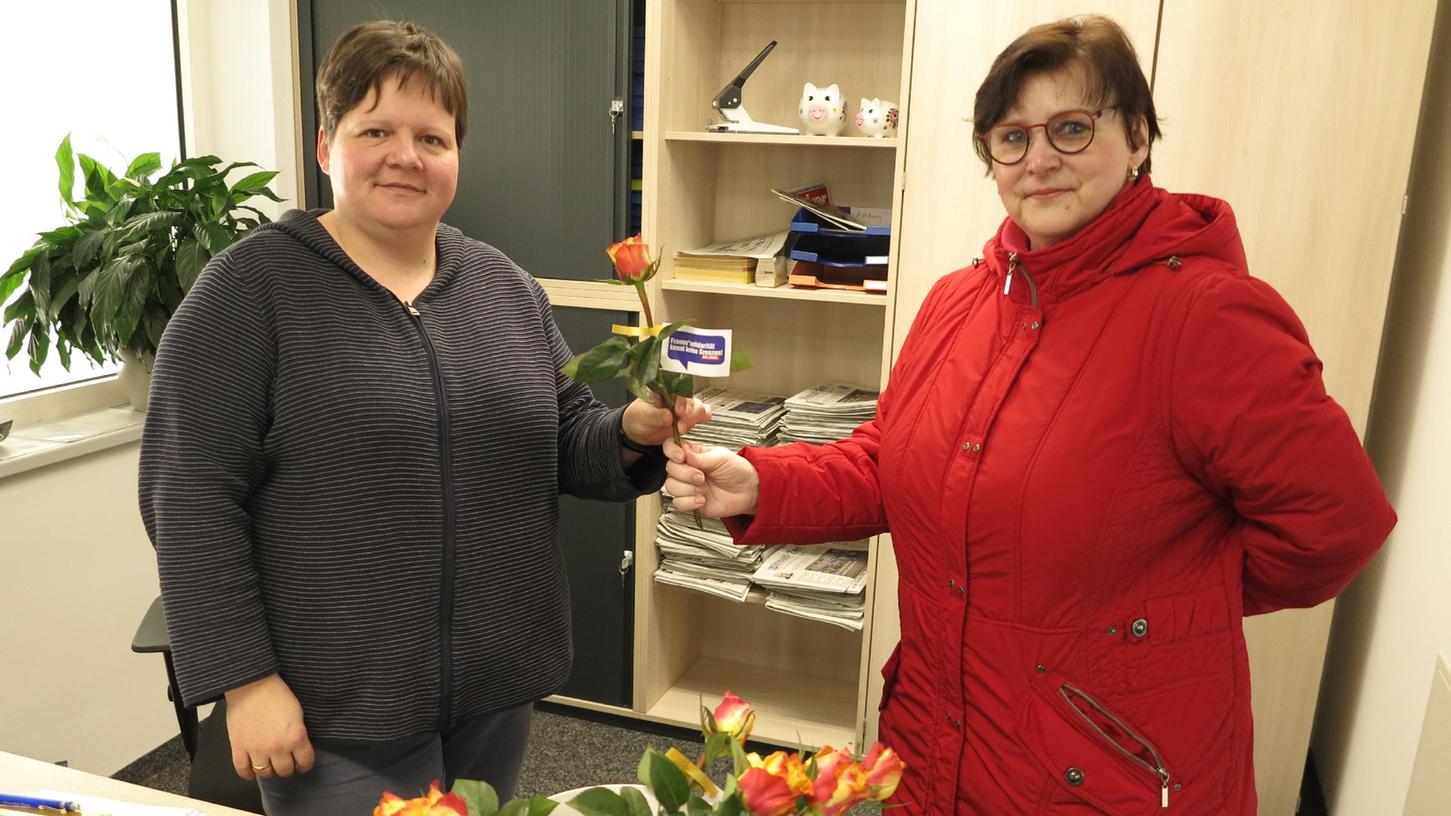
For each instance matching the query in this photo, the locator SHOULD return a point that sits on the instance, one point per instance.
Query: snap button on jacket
(1094, 460)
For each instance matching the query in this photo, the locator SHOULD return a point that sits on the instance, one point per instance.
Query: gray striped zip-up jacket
(365, 499)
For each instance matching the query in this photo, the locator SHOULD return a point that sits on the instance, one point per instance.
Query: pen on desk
(37, 805)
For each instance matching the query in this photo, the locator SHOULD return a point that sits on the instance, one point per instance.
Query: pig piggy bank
(823, 112)
(877, 118)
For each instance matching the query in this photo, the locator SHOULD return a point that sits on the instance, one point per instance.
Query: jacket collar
(304, 227)
(1144, 224)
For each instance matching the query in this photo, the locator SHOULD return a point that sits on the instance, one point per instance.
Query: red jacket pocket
(1091, 754)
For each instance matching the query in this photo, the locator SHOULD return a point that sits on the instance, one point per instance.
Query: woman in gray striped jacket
(351, 465)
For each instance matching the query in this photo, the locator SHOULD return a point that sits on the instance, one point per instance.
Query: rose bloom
(433, 803)
(631, 258)
(734, 716)
(884, 770)
(771, 786)
(840, 783)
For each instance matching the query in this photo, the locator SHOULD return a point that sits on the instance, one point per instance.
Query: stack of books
(731, 261)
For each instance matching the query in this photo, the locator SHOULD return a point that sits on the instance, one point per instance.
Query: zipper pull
(411, 310)
(1164, 788)
(1012, 264)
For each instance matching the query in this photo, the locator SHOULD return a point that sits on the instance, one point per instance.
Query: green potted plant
(107, 280)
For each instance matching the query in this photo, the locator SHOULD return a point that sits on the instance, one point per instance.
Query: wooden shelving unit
(807, 679)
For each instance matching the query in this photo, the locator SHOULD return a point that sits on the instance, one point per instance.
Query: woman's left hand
(648, 424)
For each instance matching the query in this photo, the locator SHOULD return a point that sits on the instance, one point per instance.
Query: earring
(1133, 174)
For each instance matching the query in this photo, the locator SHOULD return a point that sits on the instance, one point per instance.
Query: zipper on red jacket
(1157, 768)
(445, 461)
(1015, 265)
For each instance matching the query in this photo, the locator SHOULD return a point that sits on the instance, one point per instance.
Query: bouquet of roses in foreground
(781, 784)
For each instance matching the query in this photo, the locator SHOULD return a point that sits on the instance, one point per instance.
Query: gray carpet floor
(568, 748)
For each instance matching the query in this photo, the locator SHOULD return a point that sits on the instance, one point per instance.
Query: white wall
(78, 569)
(1396, 618)
(239, 87)
(79, 573)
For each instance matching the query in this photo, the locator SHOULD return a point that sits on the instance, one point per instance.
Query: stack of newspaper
(826, 413)
(823, 582)
(704, 560)
(738, 418)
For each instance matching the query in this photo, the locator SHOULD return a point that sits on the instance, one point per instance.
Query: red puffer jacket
(1089, 480)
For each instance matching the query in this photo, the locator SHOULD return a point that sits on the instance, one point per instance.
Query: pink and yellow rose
(884, 770)
(734, 716)
(772, 786)
(433, 803)
(840, 783)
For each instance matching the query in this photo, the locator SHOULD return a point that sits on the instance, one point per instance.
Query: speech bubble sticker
(702, 352)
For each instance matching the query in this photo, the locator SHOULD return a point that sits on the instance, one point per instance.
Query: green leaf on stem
(542, 806)
(697, 806)
(600, 802)
(669, 785)
(518, 807)
(190, 259)
(479, 796)
(739, 360)
(639, 805)
(600, 363)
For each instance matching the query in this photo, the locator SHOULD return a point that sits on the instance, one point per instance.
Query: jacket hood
(1144, 224)
(303, 227)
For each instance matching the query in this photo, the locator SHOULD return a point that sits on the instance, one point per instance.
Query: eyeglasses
(1068, 132)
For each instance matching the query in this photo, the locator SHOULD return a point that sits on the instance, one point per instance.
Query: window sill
(64, 424)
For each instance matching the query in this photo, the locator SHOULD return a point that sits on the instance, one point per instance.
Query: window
(103, 71)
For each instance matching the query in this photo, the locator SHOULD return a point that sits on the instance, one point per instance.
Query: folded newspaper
(739, 418)
(826, 413)
(834, 568)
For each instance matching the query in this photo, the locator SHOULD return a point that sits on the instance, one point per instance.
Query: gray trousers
(350, 777)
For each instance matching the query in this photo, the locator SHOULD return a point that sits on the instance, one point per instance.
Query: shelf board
(785, 292)
(790, 709)
(791, 139)
(637, 134)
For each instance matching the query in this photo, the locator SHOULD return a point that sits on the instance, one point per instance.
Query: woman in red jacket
(1102, 445)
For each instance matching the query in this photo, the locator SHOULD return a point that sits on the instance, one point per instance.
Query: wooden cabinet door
(1302, 115)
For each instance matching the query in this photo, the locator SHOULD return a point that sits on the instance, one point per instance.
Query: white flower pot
(135, 379)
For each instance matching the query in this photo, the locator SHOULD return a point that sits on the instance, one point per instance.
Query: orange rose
(433, 803)
(884, 770)
(771, 786)
(734, 716)
(840, 783)
(631, 258)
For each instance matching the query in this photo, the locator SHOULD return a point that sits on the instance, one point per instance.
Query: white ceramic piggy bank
(823, 112)
(877, 118)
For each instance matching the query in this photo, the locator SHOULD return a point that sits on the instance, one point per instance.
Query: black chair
(212, 777)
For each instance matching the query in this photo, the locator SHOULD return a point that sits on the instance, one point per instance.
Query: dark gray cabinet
(595, 537)
(544, 170)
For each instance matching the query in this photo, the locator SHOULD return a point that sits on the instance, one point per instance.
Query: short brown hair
(1093, 46)
(368, 52)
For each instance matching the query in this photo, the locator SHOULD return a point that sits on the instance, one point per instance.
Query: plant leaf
(518, 807)
(65, 160)
(38, 345)
(600, 802)
(155, 324)
(23, 262)
(143, 166)
(190, 259)
(23, 305)
(480, 796)
(254, 182)
(40, 282)
(84, 250)
(132, 302)
(17, 339)
(697, 806)
(145, 225)
(730, 805)
(213, 237)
